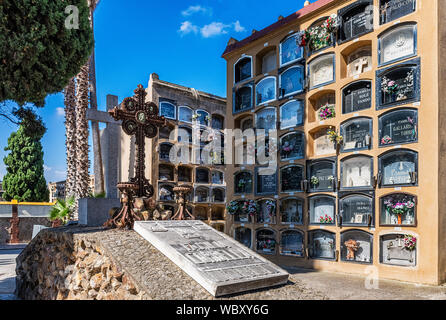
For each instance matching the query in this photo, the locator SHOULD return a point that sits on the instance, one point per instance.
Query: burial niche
(398, 168)
(356, 172)
(356, 20)
(398, 249)
(266, 183)
(266, 90)
(398, 85)
(324, 107)
(239, 209)
(164, 132)
(321, 245)
(165, 151)
(243, 98)
(266, 60)
(217, 213)
(218, 195)
(200, 213)
(266, 119)
(267, 211)
(165, 192)
(359, 61)
(322, 144)
(322, 175)
(291, 178)
(356, 210)
(321, 70)
(357, 96)
(398, 209)
(202, 118)
(291, 81)
(357, 134)
(292, 114)
(357, 246)
(397, 43)
(266, 241)
(217, 122)
(291, 211)
(292, 243)
(322, 210)
(243, 182)
(398, 127)
(201, 194)
(242, 69)
(202, 175)
(290, 51)
(184, 174)
(292, 146)
(394, 9)
(217, 177)
(185, 114)
(166, 172)
(168, 110)
(243, 235)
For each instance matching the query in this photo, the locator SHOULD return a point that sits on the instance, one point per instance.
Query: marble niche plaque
(322, 144)
(217, 262)
(321, 70)
(394, 9)
(397, 43)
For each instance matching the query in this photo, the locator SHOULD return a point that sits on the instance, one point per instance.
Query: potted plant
(325, 219)
(326, 112)
(314, 181)
(62, 211)
(410, 242)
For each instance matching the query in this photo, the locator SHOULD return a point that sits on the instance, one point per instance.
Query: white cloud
(46, 168)
(60, 111)
(214, 29)
(196, 9)
(238, 27)
(187, 27)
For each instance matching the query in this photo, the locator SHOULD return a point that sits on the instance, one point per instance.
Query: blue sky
(182, 41)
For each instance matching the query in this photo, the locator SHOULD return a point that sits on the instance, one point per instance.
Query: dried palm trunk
(70, 132)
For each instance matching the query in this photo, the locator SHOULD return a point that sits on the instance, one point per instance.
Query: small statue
(352, 247)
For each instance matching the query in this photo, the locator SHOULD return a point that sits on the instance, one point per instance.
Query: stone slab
(94, 212)
(217, 262)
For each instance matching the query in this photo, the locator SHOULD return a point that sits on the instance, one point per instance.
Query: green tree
(38, 54)
(24, 180)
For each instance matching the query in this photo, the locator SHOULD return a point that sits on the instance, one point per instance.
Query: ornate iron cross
(141, 119)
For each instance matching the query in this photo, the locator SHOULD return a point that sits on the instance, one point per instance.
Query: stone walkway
(7, 270)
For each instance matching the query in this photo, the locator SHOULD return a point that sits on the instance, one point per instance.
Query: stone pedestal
(95, 212)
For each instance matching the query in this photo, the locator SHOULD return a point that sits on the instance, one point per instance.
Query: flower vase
(399, 219)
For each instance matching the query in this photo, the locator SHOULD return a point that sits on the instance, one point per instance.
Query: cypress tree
(24, 180)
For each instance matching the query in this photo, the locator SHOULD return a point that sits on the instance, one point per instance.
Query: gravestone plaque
(202, 176)
(266, 119)
(322, 144)
(322, 176)
(291, 210)
(356, 210)
(266, 184)
(243, 235)
(168, 110)
(398, 127)
(292, 243)
(398, 168)
(393, 251)
(398, 85)
(357, 134)
(357, 96)
(395, 9)
(291, 178)
(357, 22)
(292, 146)
(356, 172)
(321, 70)
(356, 246)
(398, 43)
(243, 99)
(292, 81)
(322, 210)
(292, 114)
(217, 262)
(322, 245)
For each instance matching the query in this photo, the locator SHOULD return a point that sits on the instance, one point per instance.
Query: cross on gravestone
(361, 65)
(139, 119)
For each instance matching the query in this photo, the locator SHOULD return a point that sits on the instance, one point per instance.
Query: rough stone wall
(4, 225)
(70, 264)
(25, 227)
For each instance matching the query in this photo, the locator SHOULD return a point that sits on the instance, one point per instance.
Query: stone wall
(25, 227)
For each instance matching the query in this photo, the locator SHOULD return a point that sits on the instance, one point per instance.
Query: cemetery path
(8, 254)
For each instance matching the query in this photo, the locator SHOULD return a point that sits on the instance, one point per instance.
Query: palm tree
(70, 130)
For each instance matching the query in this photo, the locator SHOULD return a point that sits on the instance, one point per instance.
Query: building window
(291, 81)
(267, 211)
(266, 90)
(243, 98)
(266, 241)
(243, 235)
(357, 246)
(291, 178)
(356, 210)
(322, 144)
(292, 114)
(398, 168)
(394, 9)
(292, 146)
(185, 114)
(356, 20)
(202, 118)
(397, 43)
(243, 69)
(321, 245)
(357, 172)
(398, 209)
(290, 51)
(165, 192)
(359, 61)
(398, 85)
(217, 122)
(398, 127)
(357, 134)
(291, 211)
(266, 119)
(202, 175)
(357, 96)
(321, 70)
(292, 243)
(243, 182)
(322, 175)
(266, 181)
(168, 110)
(166, 172)
(398, 249)
(322, 210)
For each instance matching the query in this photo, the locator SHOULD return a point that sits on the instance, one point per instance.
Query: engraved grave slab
(217, 262)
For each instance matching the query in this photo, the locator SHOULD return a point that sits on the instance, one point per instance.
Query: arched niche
(292, 114)
(184, 174)
(321, 70)
(166, 132)
(244, 122)
(357, 134)
(321, 245)
(165, 192)
(292, 146)
(218, 195)
(291, 81)
(292, 243)
(397, 43)
(398, 209)
(266, 242)
(291, 178)
(325, 38)
(265, 181)
(398, 126)
(218, 122)
(357, 209)
(357, 246)
(218, 213)
(267, 211)
(391, 10)
(266, 90)
(290, 51)
(399, 249)
(217, 177)
(322, 175)
(398, 168)
(356, 59)
(168, 110)
(320, 143)
(357, 96)
(185, 114)
(322, 210)
(266, 60)
(243, 98)
(356, 20)
(243, 182)
(202, 175)
(201, 195)
(185, 134)
(202, 117)
(322, 106)
(166, 172)
(243, 69)
(243, 235)
(357, 172)
(164, 151)
(200, 213)
(266, 118)
(291, 210)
